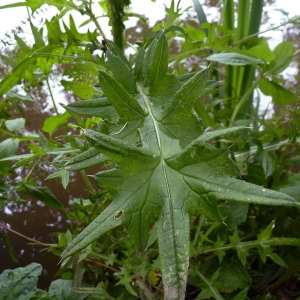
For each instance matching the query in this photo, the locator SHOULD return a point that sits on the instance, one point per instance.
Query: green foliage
(165, 168)
(21, 284)
(181, 154)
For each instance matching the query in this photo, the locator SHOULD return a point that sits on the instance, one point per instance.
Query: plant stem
(243, 100)
(23, 236)
(89, 12)
(261, 32)
(201, 220)
(87, 181)
(51, 96)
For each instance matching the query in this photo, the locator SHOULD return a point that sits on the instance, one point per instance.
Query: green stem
(261, 32)
(87, 181)
(89, 12)
(51, 96)
(214, 291)
(31, 169)
(200, 222)
(243, 100)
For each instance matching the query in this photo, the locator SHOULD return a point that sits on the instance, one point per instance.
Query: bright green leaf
(80, 78)
(262, 50)
(279, 94)
(283, 57)
(52, 122)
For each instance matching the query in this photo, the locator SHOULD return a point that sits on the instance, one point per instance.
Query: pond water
(39, 222)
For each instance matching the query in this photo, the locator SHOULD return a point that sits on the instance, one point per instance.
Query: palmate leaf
(164, 167)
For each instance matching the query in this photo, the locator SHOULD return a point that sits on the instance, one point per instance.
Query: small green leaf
(234, 59)
(63, 174)
(86, 159)
(279, 94)
(268, 164)
(18, 97)
(233, 213)
(242, 295)
(262, 51)
(277, 259)
(51, 123)
(283, 57)
(15, 124)
(267, 232)
(8, 148)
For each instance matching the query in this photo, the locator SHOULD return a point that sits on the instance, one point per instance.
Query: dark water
(39, 222)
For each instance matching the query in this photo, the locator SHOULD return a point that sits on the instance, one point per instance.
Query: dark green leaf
(86, 159)
(100, 107)
(165, 167)
(63, 289)
(19, 283)
(125, 105)
(122, 72)
(44, 195)
(232, 277)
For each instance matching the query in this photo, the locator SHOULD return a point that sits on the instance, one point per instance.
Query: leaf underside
(164, 167)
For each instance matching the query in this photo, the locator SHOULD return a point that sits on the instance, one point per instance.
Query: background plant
(264, 154)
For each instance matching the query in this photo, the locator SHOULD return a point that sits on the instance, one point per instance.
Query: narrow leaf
(89, 158)
(156, 64)
(100, 107)
(126, 106)
(122, 72)
(188, 93)
(234, 59)
(44, 195)
(110, 218)
(114, 148)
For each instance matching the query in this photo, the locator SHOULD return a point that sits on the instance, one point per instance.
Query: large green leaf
(20, 283)
(165, 168)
